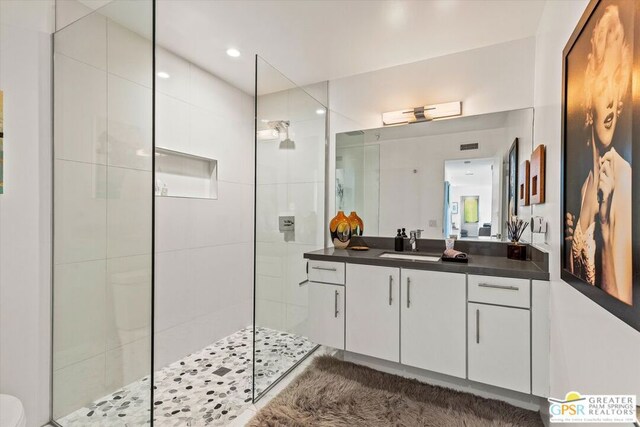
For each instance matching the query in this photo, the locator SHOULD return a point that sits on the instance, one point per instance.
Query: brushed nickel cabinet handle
(325, 268)
(408, 291)
(335, 314)
(390, 289)
(506, 287)
(477, 326)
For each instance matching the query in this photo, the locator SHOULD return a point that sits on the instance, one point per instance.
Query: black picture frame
(512, 196)
(629, 314)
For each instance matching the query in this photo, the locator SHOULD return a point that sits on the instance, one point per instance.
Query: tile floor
(211, 387)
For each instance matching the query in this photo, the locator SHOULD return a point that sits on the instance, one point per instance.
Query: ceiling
(475, 172)
(312, 41)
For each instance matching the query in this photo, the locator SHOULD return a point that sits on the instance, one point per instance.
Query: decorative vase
(340, 230)
(517, 251)
(356, 223)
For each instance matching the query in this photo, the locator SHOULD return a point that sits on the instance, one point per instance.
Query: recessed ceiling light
(234, 53)
(163, 75)
(320, 111)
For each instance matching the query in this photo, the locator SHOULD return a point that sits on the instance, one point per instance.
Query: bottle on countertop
(399, 242)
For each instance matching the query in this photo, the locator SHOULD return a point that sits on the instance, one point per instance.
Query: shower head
(282, 126)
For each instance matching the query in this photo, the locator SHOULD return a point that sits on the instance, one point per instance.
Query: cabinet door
(326, 314)
(433, 321)
(373, 311)
(499, 346)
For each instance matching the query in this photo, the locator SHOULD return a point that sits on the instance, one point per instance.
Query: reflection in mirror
(472, 197)
(447, 177)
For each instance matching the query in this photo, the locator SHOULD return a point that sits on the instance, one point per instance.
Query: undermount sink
(412, 257)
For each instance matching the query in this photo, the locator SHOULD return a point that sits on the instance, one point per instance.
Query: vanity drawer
(326, 272)
(500, 290)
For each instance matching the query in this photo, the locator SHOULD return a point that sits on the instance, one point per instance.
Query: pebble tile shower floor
(208, 388)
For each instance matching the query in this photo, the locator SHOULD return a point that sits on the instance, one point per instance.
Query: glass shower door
(102, 276)
(290, 218)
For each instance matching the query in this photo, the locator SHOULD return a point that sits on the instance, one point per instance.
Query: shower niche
(181, 174)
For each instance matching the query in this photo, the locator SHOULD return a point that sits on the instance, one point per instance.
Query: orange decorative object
(356, 223)
(340, 230)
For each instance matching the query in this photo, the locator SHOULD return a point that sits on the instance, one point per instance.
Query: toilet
(11, 412)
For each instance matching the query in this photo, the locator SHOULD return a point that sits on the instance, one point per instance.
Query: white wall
(25, 208)
(486, 80)
(204, 248)
(591, 350)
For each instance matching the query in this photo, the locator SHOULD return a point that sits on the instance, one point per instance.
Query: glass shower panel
(102, 278)
(290, 188)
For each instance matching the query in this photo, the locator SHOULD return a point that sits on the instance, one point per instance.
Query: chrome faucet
(414, 236)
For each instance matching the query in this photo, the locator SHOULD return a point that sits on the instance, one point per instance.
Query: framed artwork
(513, 180)
(470, 206)
(454, 208)
(537, 176)
(600, 134)
(523, 184)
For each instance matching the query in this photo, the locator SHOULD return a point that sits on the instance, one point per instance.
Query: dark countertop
(488, 265)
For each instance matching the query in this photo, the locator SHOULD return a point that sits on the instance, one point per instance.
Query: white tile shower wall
(204, 248)
(102, 212)
(25, 206)
(291, 182)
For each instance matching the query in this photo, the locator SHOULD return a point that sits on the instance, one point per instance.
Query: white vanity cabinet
(372, 311)
(326, 314)
(433, 321)
(491, 330)
(499, 332)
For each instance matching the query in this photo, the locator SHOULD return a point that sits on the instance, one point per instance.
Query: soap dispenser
(399, 241)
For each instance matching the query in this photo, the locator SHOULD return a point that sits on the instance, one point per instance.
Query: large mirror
(447, 178)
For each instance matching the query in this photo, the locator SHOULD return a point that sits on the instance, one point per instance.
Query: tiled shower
(156, 315)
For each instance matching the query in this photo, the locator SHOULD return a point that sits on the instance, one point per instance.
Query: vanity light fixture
(233, 52)
(163, 74)
(421, 114)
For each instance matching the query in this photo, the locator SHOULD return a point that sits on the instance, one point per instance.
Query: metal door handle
(408, 291)
(390, 289)
(477, 326)
(335, 301)
(325, 268)
(506, 287)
